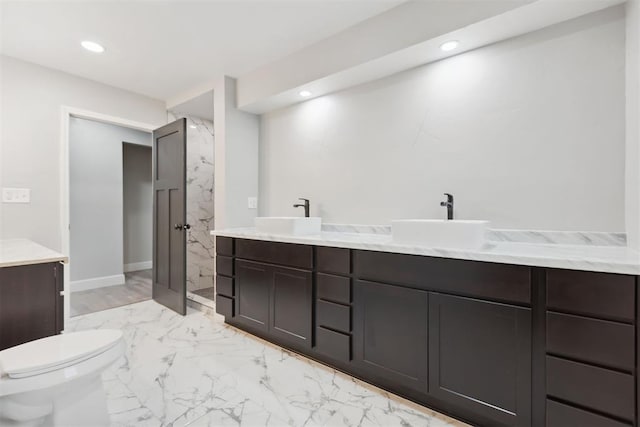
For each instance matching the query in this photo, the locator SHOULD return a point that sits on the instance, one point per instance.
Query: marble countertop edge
(606, 259)
(20, 252)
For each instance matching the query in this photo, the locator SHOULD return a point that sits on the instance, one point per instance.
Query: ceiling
(165, 48)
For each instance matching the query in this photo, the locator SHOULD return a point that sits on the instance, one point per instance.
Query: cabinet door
(253, 280)
(480, 357)
(390, 334)
(30, 303)
(292, 305)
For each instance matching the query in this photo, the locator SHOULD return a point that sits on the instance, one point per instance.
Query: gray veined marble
(609, 259)
(195, 370)
(200, 211)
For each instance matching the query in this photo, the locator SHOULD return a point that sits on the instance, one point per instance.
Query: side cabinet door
(390, 334)
(253, 280)
(29, 303)
(480, 357)
(292, 305)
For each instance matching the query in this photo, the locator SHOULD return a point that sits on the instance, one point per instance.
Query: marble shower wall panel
(200, 168)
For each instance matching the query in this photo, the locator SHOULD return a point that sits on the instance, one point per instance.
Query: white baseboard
(97, 282)
(137, 266)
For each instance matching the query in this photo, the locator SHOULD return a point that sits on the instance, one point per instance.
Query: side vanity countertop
(15, 252)
(607, 259)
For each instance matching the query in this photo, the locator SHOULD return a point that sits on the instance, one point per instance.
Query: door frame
(66, 113)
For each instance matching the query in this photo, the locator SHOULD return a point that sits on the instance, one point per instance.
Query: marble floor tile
(194, 370)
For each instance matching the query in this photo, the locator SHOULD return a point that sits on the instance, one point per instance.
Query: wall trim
(137, 266)
(97, 282)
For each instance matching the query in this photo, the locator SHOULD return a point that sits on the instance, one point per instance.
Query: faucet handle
(305, 200)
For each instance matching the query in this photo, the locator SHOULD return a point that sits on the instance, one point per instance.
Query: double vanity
(501, 333)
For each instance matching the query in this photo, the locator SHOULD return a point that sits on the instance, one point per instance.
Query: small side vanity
(510, 334)
(31, 285)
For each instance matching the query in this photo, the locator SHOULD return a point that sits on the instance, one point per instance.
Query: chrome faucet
(449, 205)
(305, 206)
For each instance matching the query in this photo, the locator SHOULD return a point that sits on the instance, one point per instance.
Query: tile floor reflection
(195, 370)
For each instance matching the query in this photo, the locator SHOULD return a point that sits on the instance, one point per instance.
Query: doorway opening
(200, 197)
(110, 212)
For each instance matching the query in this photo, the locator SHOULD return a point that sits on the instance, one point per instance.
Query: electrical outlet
(252, 203)
(16, 195)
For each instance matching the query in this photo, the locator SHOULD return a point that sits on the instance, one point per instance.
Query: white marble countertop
(15, 252)
(610, 259)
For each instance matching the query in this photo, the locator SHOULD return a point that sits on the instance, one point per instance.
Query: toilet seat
(55, 352)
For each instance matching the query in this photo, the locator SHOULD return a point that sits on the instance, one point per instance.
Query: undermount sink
(460, 234)
(288, 225)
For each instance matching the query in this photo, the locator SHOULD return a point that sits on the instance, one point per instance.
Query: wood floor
(137, 288)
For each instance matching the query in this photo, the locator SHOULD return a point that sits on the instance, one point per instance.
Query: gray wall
(137, 165)
(528, 133)
(30, 138)
(96, 196)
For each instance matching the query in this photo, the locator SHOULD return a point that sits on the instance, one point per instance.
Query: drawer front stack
(225, 286)
(333, 303)
(591, 353)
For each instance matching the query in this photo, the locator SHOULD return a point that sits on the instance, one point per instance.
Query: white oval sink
(288, 225)
(460, 234)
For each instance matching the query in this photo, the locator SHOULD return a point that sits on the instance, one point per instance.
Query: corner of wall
(632, 162)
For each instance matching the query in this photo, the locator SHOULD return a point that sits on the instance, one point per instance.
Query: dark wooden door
(30, 303)
(292, 305)
(169, 216)
(390, 334)
(480, 357)
(253, 280)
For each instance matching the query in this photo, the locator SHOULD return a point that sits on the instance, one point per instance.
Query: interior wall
(96, 200)
(200, 197)
(31, 101)
(137, 164)
(236, 150)
(633, 123)
(528, 133)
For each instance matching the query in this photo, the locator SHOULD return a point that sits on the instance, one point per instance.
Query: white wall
(96, 197)
(528, 133)
(31, 102)
(237, 136)
(137, 165)
(633, 124)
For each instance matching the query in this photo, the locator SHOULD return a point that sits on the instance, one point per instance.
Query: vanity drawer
(591, 340)
(561, 415)
(224, 305)
(333, 260)
(333, 344)
(289, 254)
(224, 265)
(591, 387)
(224, 246)
(333, 316)
(501, 282)
(605, 295)
(224, 285)
(334, 288)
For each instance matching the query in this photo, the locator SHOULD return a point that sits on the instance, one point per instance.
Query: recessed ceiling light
(305, 93)
(193, 126)
(92, 46)
(450, 45)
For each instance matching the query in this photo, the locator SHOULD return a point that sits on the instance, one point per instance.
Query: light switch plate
(252, 203)
(16, 195)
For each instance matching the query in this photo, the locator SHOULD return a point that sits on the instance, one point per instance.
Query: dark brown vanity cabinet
(31, 306)
(492, 344)
(274, 299)
(480, 357)
(390, 334)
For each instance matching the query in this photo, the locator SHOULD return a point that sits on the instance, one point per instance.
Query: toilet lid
(49, 353)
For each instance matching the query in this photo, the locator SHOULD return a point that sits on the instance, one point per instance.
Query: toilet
(56, 381)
